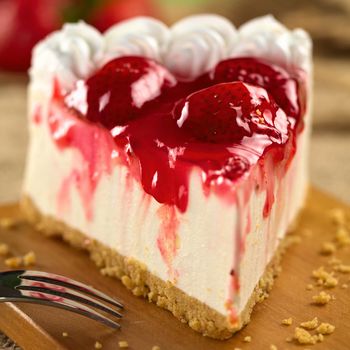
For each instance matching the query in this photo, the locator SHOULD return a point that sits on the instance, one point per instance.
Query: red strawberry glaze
(170, 134)
(97, 153)
(167, 241)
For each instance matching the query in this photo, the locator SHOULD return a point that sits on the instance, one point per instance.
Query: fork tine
(67, 293)
(65, 305)
(69, 283)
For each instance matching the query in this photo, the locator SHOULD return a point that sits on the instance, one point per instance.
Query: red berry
(228, 112)
(274, 79)
(23, 24)
(117, 92)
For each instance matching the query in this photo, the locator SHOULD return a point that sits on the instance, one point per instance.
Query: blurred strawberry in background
(25, 22)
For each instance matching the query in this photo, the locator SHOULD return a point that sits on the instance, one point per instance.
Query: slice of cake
(176, 156)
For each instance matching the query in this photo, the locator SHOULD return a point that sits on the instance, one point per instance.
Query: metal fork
(58, 291)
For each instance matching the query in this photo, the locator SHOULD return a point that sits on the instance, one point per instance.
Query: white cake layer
(127, 220)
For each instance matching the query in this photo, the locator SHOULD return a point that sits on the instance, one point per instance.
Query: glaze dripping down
(224, 123)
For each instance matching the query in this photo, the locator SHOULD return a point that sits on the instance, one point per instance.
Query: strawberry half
(253, 71)
(116, 94)
(228, 112)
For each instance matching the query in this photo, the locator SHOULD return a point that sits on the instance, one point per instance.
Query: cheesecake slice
(176, 156)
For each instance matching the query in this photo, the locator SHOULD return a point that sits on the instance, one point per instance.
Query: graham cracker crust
(135, 276)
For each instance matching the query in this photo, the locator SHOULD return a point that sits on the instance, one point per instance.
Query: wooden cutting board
(145, 325)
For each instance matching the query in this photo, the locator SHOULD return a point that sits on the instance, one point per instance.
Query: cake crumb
(237, 349)
(320, 338)
(64, 334)
(13, 262)
(310, 324)
(331, 282)
(123, 344)
(29, 259)
(338, 216)
(289, 339)
(247, 339)
(324, 278)
(98, 345)
(334, 261)
(4, 249)
(304, 337)
(322, 298)
(8, 223)
(309, 286)
(344, 286)
(273, 347)
(342, 237)
(287, 321)
(328, 248)
(325, 328)
(320, 273)
(155, 347)
(342, 268)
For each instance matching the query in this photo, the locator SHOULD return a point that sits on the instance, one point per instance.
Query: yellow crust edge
(135, 276)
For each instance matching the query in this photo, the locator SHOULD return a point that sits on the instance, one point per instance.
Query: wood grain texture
(145, 325)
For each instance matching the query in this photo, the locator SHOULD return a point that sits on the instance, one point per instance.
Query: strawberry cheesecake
(176, 156)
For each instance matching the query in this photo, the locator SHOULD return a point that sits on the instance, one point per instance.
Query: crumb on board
(312, 324)
(273, 347)
(320, 338)
(4, 249)
(14, 262)
(237, 349)
(342, 237)
(322, 298)
(247, 339)
(64, 334)
(345, 286)
(342, 268)
(338, 216)
(304, 337)
(324, 278)
(325, 328)
(155, 347)
(29, 259)
(8, 223)
(287, 321)
(98, 345)
(123, 344)
(328, 248)
(330, 282)
(334, 261)
(289, 339)
(309, 286)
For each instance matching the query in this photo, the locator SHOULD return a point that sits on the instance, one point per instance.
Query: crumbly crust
(135, 276)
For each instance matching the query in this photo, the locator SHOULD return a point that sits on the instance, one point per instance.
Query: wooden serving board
(145, 325)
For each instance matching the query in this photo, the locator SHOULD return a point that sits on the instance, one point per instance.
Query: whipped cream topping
(188, 49)
(141, 36)
(70, 54)
(265, 37)
(197, 44)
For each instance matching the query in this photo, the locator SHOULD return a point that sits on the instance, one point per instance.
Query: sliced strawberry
(228, 112)
(274, 79)
(117, 92)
